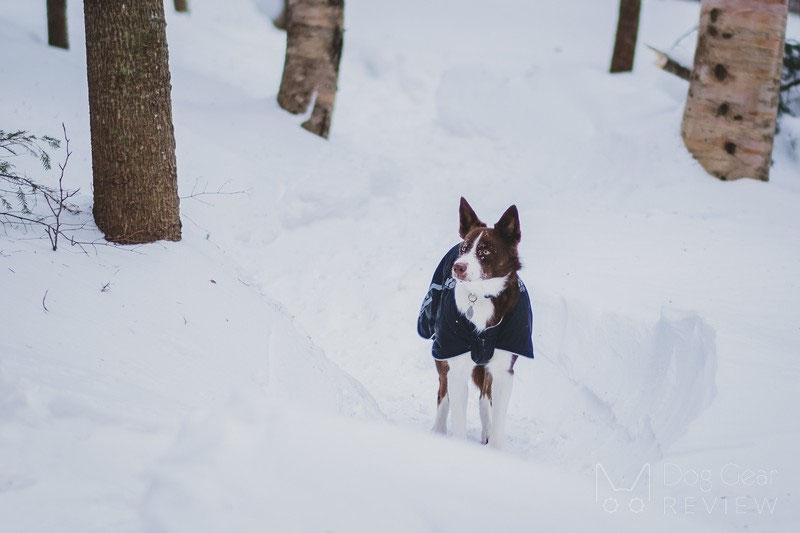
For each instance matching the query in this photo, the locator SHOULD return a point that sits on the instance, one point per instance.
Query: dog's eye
(484, 252)
(464, 248)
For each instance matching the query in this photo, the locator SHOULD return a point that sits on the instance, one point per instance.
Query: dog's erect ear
(508, 225)
(467, 219)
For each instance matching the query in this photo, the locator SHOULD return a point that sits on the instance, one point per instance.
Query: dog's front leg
(442, 398)
(502, 373)
(457, 391)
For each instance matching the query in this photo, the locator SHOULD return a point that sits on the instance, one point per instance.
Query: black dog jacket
(440, 319)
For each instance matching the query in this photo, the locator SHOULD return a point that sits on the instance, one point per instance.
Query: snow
(265, 371)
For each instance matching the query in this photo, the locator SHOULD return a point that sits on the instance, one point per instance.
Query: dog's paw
(439, 427)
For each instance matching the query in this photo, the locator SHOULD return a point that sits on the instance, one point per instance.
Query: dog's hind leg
(457, 391)
(483, 380)
(501, 371)
(442, 399)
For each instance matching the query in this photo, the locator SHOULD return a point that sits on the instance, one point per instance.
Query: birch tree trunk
(130, 114)
(57, 23)
(182, 6)
(314, 37)
(731, 111)
(794, 6)
(627, 30)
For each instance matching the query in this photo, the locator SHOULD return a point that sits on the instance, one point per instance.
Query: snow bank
(95, 388)
(626, 389)
(250, 467)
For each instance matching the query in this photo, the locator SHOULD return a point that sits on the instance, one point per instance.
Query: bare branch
(787, 86)
(195, 195)
(27, 191)
(667, 64)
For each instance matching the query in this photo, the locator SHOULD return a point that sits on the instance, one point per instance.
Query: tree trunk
(627, 30)
(730, 116)
(794, 6)
(313, 50)
(57, 23)
(182, 6)
(133, 144)
(283, 19)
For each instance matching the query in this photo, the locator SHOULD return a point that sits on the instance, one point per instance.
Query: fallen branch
(667, 64)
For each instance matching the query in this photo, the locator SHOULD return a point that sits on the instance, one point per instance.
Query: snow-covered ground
(265, 373)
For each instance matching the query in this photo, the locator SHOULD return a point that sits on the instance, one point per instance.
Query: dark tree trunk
(283, 19)
(731, 110)
(627, 30)
(133, 144)
(57, 23)
(313, 51)
(182, 6)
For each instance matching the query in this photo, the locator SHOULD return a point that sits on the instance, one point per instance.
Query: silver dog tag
(472, 299)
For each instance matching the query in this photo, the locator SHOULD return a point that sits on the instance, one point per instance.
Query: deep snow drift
(265, 371)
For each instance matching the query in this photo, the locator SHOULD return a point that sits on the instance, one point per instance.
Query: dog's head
(487, 253)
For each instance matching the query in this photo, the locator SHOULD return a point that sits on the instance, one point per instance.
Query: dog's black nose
(460, 270)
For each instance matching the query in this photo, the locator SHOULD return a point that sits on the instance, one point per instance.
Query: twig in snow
(195, 194)
(684, 36)
(58, 203)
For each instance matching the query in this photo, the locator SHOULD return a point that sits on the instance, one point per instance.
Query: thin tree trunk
(313, 51)
(57, 24)
(730, 117)
(182, 6)
(133, 144)
(627, 30)
(283, 19)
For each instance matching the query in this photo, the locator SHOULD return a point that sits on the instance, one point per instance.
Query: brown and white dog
(486, 291)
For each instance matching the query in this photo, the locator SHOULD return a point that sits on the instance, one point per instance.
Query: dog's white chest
(473, 299)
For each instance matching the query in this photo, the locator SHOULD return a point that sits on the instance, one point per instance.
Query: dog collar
(474, 297)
